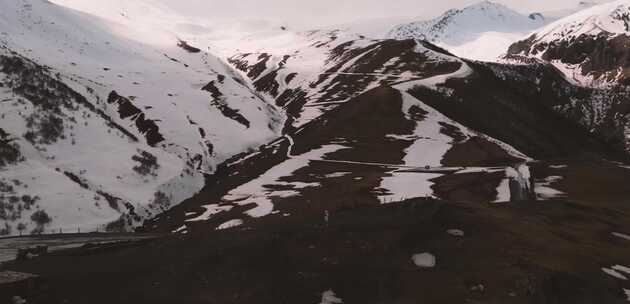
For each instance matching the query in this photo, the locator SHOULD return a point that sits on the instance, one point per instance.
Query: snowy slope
(591, 47)
(121, 98)
(304, 72)
(610, 18)
(377, 28)
(480, 31)
(141, 102)
(308, 73)
(383, 121)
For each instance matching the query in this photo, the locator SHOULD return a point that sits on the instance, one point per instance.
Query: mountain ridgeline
(250, 136)
(482, 156)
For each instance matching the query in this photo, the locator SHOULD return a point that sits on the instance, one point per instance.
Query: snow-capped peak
(458, 24)
(480, 31)
(610, 18)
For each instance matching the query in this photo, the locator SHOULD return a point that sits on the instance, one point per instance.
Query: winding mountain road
(407, 168)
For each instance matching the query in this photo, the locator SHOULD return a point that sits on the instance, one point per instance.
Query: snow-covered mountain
(100, 124)
(339, 162)
(116, 118)
(481, 31)
(592, 47)
(375, 121)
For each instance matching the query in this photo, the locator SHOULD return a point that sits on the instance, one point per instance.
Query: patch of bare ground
(477, 152)
(469, 187)
(518, 253)
(590, 182)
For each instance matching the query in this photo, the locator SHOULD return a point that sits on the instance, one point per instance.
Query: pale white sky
(325, 12)
(340, 11)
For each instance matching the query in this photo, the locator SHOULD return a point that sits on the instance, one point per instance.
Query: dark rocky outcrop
(127, 110)
(219, 102)
(9, 150)
(187, 47)
(604, 57)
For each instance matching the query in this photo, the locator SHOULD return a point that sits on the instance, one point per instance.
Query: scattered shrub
(44, 128)
(41, 218)
(6, 230)
(9, 151)
(21, 227)
(148, 164)
(122, 224)
(161, 201)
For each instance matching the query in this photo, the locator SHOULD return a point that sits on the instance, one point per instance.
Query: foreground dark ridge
(528, 252)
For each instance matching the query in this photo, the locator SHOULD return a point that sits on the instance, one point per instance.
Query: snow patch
(621, 236)
(181, 229)
(544, 191)
(424, 260)
(614, 273)
(621, 268)
(230, 224)
(400, 186)
(558, 166)
(258, 191)
(456, 232)
(211, 210)
(337, 174)
(329, 297)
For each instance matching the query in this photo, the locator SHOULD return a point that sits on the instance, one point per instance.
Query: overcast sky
(322, 12)
(340, 11)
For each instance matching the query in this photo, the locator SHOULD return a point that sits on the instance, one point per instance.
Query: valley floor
(556, 251)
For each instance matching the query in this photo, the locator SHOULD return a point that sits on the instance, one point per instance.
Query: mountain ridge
(466, 30)
(173, 118)
(589, 46)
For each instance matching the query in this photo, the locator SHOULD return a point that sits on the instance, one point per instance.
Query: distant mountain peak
(487, 5)
(479, 17)
(591, 46)
(468, 25)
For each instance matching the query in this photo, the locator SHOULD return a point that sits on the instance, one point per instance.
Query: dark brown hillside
(534, 109)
